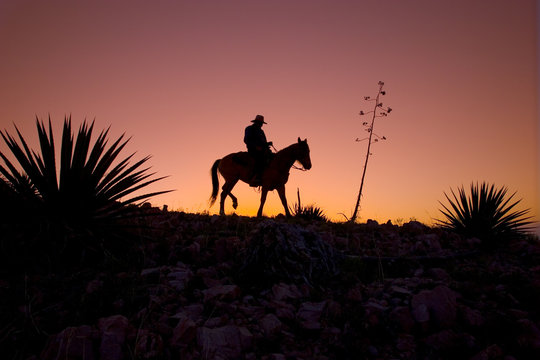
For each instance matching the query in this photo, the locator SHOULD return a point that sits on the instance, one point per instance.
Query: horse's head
(303, 154)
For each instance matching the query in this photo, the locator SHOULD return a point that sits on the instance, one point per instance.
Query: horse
(239, 166)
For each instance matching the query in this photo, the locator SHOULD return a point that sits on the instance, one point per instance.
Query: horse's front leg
(264, 193)
(281, 192)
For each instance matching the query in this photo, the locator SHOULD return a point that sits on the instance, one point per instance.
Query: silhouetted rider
(257, 147)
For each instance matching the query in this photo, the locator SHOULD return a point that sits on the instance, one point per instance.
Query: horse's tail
(215, 182)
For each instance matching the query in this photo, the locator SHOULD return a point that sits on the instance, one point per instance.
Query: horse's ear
(299, 139)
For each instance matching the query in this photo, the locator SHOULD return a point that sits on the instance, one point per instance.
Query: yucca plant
(486, 213)
(309, 212)
(88, 193)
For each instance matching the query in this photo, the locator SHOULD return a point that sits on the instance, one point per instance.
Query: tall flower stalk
(378, 111)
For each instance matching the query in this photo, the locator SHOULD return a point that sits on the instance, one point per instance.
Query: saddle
(246, 159)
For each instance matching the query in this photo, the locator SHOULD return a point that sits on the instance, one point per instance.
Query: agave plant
(309, 212)
(89, 190)
(485, 213)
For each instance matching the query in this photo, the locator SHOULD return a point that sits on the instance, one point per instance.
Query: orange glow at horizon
(184, 79)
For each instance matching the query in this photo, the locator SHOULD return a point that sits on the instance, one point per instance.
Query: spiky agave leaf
(486, 213)
(87, 190)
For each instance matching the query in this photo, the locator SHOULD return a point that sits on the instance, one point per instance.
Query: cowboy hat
(259, 118)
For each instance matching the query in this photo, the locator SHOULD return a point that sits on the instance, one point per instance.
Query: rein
(298, 168)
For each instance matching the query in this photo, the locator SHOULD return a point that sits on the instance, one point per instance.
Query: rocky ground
(208, 287)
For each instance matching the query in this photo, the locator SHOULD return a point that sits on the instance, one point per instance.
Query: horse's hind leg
(226, 190)
(234, 201)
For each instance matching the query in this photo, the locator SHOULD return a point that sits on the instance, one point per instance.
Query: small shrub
(286, 252)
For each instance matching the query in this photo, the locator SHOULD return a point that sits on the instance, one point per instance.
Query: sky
(184, 78)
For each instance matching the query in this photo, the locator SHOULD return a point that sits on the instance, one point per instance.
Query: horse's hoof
(235, 205)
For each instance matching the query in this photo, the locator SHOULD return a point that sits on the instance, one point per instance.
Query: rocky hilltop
(208, 287)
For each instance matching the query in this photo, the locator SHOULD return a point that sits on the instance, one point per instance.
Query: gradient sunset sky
(184, 78)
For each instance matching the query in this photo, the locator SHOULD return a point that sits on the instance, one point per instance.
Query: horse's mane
(293, 146)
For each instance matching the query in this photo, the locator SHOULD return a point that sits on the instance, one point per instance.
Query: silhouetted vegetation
(280, 252)
(309, 212)
(486, 213)
(76, 208)
(378, 111)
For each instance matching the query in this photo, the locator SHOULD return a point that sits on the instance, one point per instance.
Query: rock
(406, 344)
(184, 332)
(283, 291)
(420, 313)
(430, 241)
(341, 242)
(529, 336)
(270, 325)
(225, 247)
(252, 311)
(490, 353)
(354, 294)
(216, 321)
(209, 277)
(221, 343)
(438, 305)
(441, 341)
(222, 292)
(470, 317)
(402, 317)
(193, 311)
(149, 345)
(113, 331)
(283, 310)
(194, 250)
(151, 273)
(72, 343)
(94, 286)
(246, 337)
(438, 274)
(275, 357)
(473, 242)
(331, 334)
(309, 315)
(372, 351)
(179, 277)
(414, 228)
(333, 311)
(398, 290)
